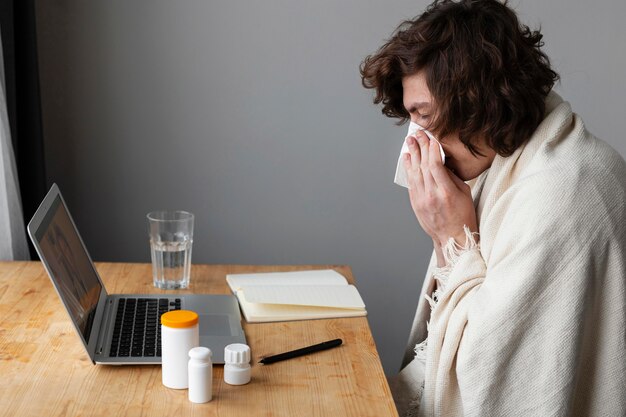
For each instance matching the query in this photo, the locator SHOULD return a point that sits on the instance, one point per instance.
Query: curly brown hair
(485, 71)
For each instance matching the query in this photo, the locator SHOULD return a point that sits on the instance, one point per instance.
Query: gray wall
(251, 115)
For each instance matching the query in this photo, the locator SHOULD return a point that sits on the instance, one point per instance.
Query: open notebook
(301, 295)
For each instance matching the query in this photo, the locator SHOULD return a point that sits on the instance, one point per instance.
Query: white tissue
(401, 177)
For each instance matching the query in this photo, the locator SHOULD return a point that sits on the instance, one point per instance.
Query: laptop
(119, 329)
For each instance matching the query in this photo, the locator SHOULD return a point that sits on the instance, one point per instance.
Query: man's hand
(442, 202)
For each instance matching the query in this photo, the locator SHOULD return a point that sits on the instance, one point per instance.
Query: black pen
(302, 351)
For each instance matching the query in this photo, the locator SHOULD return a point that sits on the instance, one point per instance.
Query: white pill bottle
(237, 364)
(179, 334)
(200, 375)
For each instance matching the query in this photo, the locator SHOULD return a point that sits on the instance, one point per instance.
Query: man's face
(419, 103)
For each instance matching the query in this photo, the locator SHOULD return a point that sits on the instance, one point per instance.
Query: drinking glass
(171, 237)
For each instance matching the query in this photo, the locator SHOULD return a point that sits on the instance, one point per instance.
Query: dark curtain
(19, 49)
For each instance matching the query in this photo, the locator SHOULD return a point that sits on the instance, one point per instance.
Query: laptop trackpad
(214, 325)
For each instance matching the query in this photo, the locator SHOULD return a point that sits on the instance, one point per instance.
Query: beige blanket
(532, 322)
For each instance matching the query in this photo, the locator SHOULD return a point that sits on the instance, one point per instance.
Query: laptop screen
(69, 266)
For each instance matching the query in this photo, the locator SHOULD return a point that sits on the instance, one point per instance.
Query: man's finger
(414, 151)
(438, 170)
(413, 173)
(423, 141)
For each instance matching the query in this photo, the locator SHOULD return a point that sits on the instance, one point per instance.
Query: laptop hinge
(104, 326)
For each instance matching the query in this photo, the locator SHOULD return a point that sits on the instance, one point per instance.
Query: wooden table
(45, 370)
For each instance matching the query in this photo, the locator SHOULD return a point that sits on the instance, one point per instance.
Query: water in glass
(172, 263)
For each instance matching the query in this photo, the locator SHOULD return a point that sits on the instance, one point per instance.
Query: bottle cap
(237, 354)
(179, 319)
(201, 353)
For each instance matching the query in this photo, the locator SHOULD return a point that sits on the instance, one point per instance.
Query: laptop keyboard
(137, 331)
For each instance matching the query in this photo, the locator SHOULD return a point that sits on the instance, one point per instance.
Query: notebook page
(318, 277)
(259, 313)
(320, 296)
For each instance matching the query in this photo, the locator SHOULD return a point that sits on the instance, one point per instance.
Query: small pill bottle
(200, 375)
(179, 334)
(237, 364)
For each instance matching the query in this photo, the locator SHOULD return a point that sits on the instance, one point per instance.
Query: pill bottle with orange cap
(179, 334)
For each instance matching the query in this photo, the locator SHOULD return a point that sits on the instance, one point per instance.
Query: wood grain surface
(46, 371)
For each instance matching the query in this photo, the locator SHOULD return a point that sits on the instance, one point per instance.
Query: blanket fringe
(452, 250)
(420, 351)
